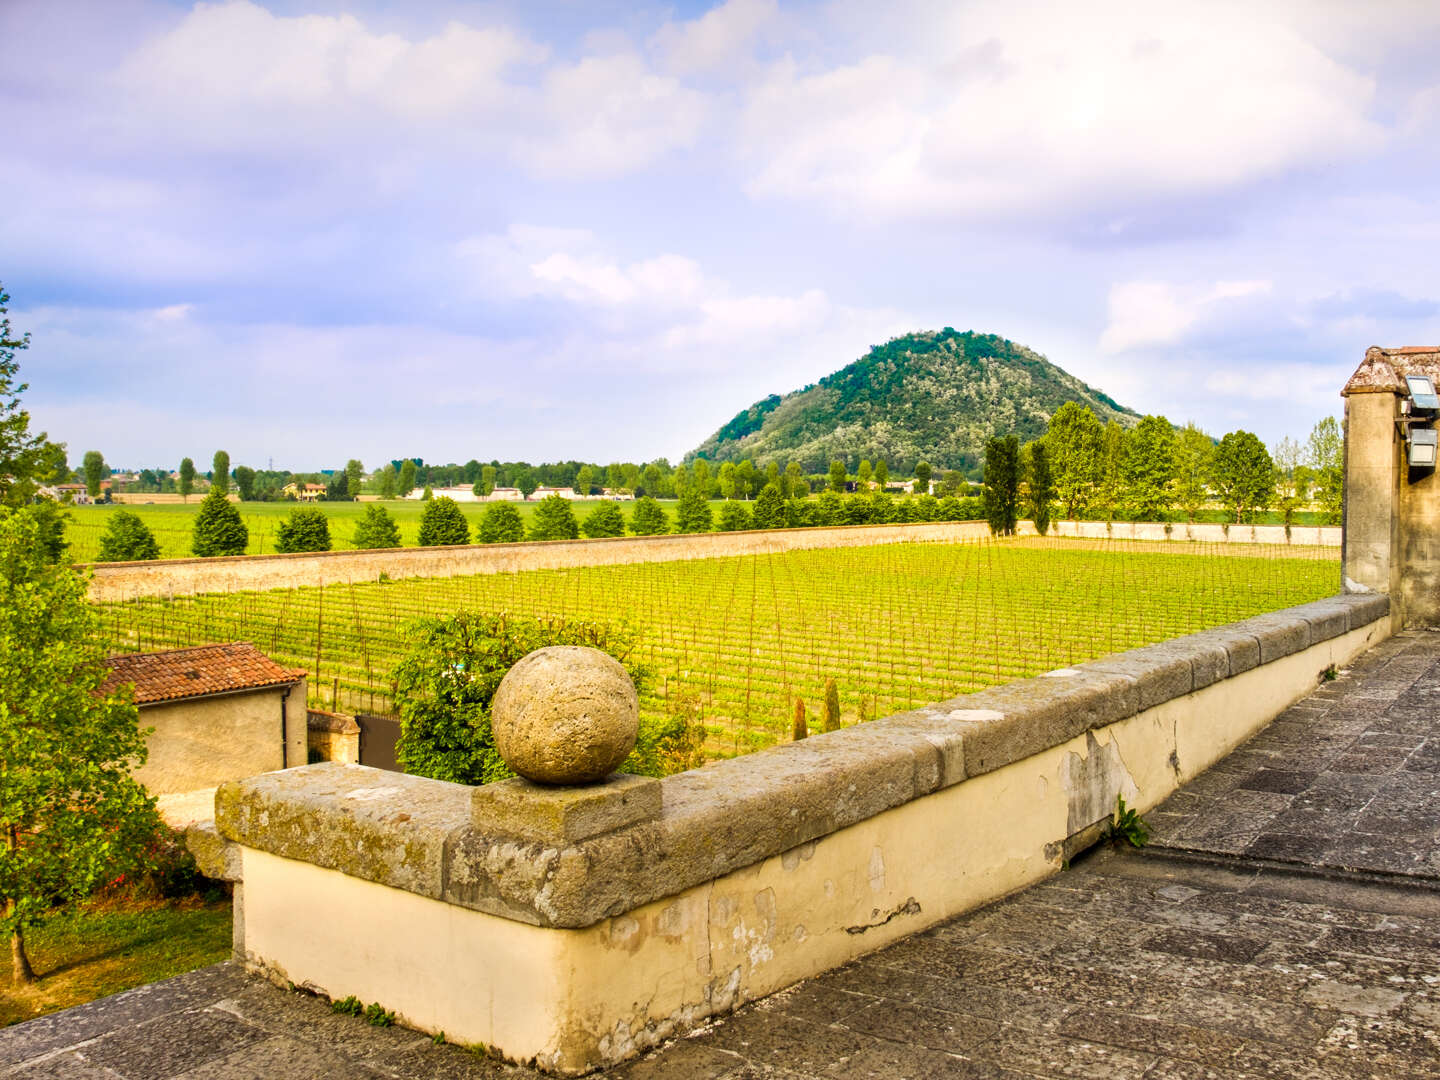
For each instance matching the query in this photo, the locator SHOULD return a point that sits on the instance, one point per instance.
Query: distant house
(458, 493)
(505, 494)
(303, 492)
(564, 493)
(219, 712)
(618, 494)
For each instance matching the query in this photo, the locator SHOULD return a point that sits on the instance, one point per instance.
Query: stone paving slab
(1289, 928)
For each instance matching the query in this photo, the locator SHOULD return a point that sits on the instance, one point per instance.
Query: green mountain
(925, 396)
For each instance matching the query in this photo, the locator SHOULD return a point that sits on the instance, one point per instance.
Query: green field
(895, 625)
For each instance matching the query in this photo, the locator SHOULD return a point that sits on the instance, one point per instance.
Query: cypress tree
(218, 529)
(604, 520)
(832, 706)
(799, 728)
(692, 513)
(220, 471)
(649, 518)
(1042, 488)
(1002, 484)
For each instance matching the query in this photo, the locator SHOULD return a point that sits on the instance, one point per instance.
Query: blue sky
(313, 231)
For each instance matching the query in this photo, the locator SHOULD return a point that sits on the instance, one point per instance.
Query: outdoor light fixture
(1416, 423)
(1423, 398)
(1422, 448)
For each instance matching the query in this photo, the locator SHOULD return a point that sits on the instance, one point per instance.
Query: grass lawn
(91, 952)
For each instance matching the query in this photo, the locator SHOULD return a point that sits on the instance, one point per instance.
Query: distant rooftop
(196, 672)
(1384, 370)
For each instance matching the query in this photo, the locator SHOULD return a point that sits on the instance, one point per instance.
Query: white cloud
(719, 39)
(1153, 313)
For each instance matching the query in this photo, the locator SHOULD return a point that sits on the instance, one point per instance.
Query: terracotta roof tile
(196, 672)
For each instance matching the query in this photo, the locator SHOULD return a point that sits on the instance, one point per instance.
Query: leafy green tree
(922, 478)
(427, 494)
(1194, 453)
(795, 486)
(1042, 488)
(652, 479)
(692, 513)
(604, 520)
(1292, 478)
(1113, 446)
(829, 508)
(705, 482)
(770, 508)
(554, 520)
(21, 453)
(501, 524)
(1002, 484)
(95, 471)
(71, 814)
(1073, 440)
(407, 478)
(354, 476)
(472, 472)
(442, 522)
(245, 482)
(837, 476)
(1243, 474)
(445, 729)
(649, 518)
(50, 522)
(220, 472)
(584, 480)
(337, 489)
(218, 529)
(389, 482)
(376, 529)
(1325, 454)
(735, 517)
(127, 539)
(863, 475)
(727, 480)
(487, 479)
(1148, 468)
(526, 481)
(187, 478)
(306, 529)
(882, 473)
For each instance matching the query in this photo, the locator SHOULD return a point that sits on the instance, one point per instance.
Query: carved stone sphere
(565, 715)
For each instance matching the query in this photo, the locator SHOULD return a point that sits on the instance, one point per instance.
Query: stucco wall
(202, 742)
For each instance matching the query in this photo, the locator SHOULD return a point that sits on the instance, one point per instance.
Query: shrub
(770, 508)
(926, 507)
(799, 513)
(649, 518)
(882, 508)
(376, 529)
(855, 510)
(832, 706)
(604, 520)
(554, 520)
(734, 516)
(127, 539)
(447, 677)
(218, 529)
(441, 522)
(829, 509)
(799, 726)
(501, 524)
(950, 509)
(692, 513)
(306, 529)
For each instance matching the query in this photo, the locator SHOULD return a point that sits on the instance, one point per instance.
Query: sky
(551, 229)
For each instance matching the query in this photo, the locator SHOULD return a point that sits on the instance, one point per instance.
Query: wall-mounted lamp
(1423, 446)
(1423, 398)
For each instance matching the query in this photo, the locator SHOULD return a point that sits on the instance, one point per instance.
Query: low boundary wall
(111, 582)
(746, 875)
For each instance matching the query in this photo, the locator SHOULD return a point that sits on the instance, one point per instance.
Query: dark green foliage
(554, 520)
(927, 508)
(22, 454)
(604, 520)
(735, 517)
(829, 508)
(376, 529)
(951, 509)
(770, 508)
(376, 1015)
(1002, 484)
(832, 706)
(126, 539)
(337, 488)
(187, 477)
(649, 518)
(1127, 826)
(501, 524)
(932, 395)
(350, 1006)
(882, 507)
(218, 529)
(220, 472)
(405, 483)
(837, 476)
(922, 478)
(1149, 469)
(306, 529)
(692, 513)
(1042, 490)
(442, 522)
(1243, 474)
(95, 471)
(448, 675)
(800, 513)
(50, 522)
(1074, 444)
(245, 482)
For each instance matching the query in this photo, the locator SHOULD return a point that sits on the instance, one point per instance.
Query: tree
(218, 529)
(26, 459)
(692, 514)
(1325, 454)
(1002, 483)
(747, 480)
(704, 481)
(837, 476)
(1042, 488)
(442, 522)
(735, 517)
(501, 524)
(727, 479)
(220, 472)
(187, 478)
(376, 529)
(472, 472)
(1112, 467)
(1073, 441)
(337, 488)
(882, 473)
(1292, 478)
(604, 520)
(245, 482)
(407, 478)
(554, 520)
(127, 539)
(354, 476)
(525, 480)
(94, 466)
(427, 494)
(922, 478)
(649, 518)
(652, 479)
(770, 508)
(1244, 474)
(832, 706)
(1149, 468)
(799, 725)
(795, 486)
(71, 814)
(1194, 452)
(306, 529)
(862, 476)
(584, 480)
(487, 479)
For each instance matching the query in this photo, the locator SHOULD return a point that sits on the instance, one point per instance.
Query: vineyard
(736, 640)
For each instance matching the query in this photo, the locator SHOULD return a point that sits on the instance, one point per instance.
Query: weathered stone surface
(1209, 659)
(381, 826)
(1242, 650)
(564, 815)
(1280, 634)
(1327, 618)
(1161, 673)
(215, 857)
(565, 715)
(1366, 608)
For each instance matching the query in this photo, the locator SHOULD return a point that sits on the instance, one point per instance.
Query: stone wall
(332, 736)
(746, 875)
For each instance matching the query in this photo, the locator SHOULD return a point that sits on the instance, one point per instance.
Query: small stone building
(219, 712)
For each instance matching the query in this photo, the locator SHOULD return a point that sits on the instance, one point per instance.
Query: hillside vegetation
(933, 396)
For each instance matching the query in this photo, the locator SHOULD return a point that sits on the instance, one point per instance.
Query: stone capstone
(565, 715)
(563, 815)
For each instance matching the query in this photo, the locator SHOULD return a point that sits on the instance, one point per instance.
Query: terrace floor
(1286, 923)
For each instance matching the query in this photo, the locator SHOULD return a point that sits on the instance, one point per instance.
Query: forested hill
(924, 396)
